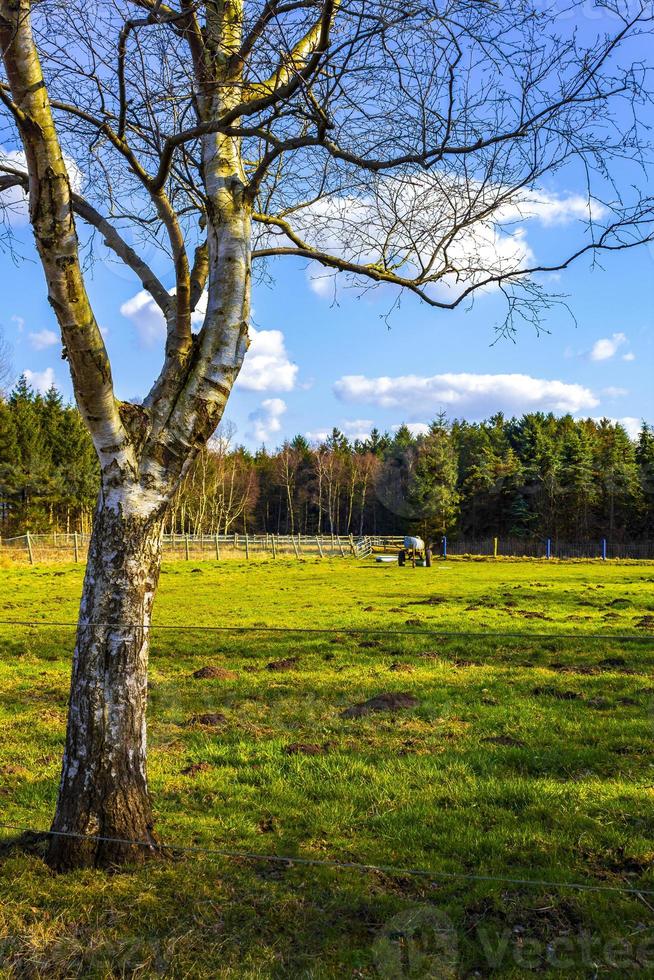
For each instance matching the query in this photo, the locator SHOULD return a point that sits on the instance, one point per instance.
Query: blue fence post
(603, 549)
(549, 547)
(444, 546)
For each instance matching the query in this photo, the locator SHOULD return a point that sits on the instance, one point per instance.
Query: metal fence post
(494, 547)
(274, 549)
(444, 546)
(549, 547)
(76, 546)
(603, 549)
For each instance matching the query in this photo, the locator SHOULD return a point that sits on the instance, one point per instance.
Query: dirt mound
(209, 672)
(195, 768)
(507, 740)
(609, 662)
(402, 668)
(394, 701)
(553, 692)
(288, 663)
(212, 719)
(305, 748)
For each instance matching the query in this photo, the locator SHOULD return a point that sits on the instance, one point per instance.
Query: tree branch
(303, 56)
(111, 236)
(52, 219)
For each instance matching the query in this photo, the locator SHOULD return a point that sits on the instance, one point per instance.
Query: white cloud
(267, 366)
(266, 420)
(321, 280)
(146, 317)
(630, 356)
(552, 210)
(475, 395)
(614, 392)
(42, 339)
(406, 222)
(14, 200)
(318, 435)
(630, 424)
(353, 428)
(20, 323)
(415, 428)
(607, 347)
(40, 380)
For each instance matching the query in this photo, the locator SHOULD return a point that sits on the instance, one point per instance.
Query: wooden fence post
(217, 549)
(76, 546)
(187, 549)
(294, 546)
(494, 547)
(274, 549)
(319, 546)
(247, 547)
(29, 548)
(338, 539)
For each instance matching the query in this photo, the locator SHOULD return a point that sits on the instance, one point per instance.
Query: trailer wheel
(401, 558)
(427, 557)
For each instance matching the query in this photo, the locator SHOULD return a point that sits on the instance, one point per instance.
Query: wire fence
(334, 631)
(73, 546)
(289, 861)
(548, 548)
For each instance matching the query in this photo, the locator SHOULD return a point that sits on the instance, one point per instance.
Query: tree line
(535, 476)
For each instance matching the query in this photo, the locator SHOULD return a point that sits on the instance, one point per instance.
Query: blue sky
(323, 356)
(312, 333)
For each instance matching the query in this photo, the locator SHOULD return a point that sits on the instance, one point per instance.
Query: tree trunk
(104, 790)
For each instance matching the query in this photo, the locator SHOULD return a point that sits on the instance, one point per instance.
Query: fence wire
(289, 860)
(330, 631)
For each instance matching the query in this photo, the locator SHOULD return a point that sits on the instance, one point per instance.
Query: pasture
(518, 757)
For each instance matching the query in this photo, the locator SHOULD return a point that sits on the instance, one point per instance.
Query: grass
(525, 758)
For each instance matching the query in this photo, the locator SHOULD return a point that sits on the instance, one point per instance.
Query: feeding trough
(413, 550)
(416, 552)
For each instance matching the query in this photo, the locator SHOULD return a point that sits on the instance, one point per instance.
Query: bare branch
(54, 229)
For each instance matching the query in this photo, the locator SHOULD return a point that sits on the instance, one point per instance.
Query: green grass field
(524, 758)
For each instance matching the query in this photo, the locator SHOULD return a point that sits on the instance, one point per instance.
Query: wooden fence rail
(72, 547)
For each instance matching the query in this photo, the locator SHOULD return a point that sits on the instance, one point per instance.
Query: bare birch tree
(391, 142)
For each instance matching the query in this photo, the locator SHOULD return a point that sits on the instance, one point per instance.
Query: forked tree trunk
(104, 789)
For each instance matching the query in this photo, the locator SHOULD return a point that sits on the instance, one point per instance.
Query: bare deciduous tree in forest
(388, 141)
